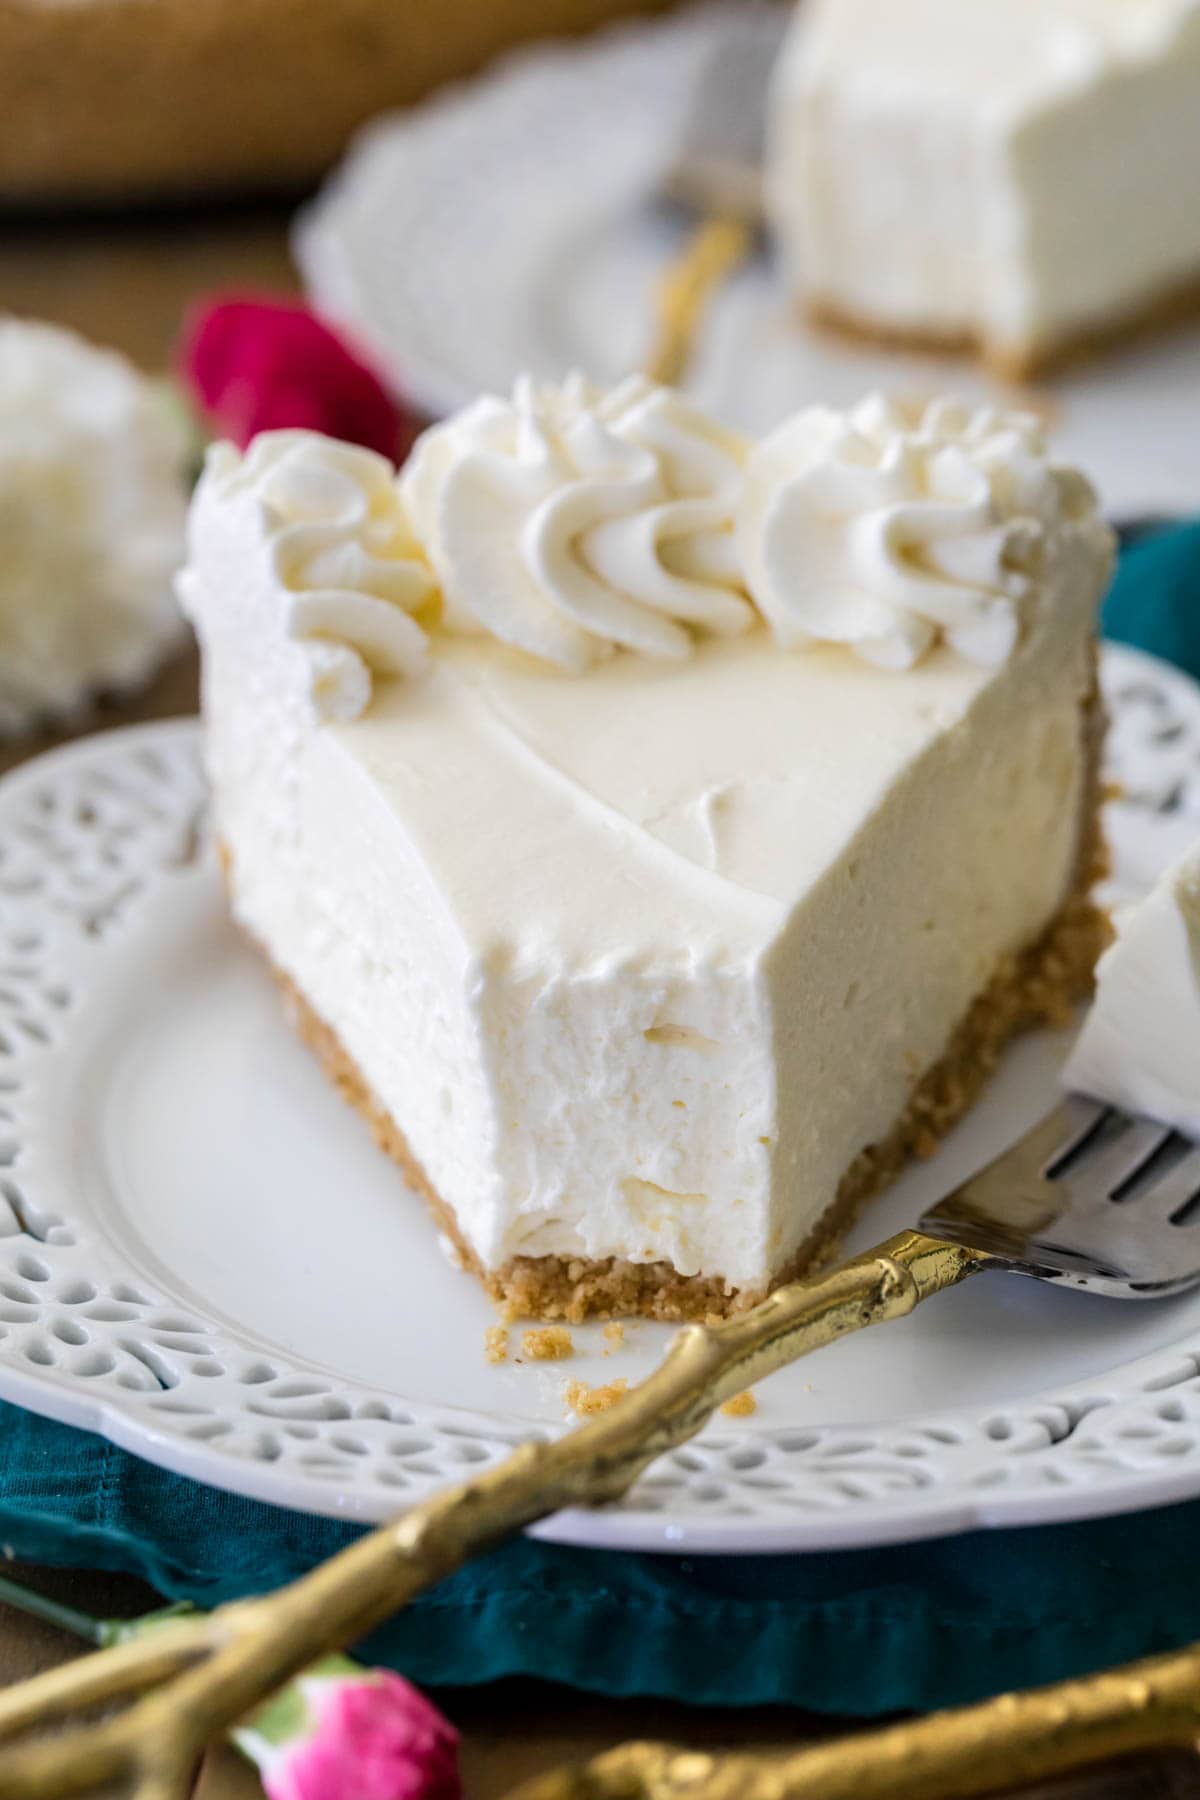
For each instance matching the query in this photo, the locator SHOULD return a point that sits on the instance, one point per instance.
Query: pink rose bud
(359, 1735)
(254, 364)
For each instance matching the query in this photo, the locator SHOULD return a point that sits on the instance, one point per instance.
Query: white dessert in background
(1140, 1044)
(659, 834)
(93, 506)
(1013, 176)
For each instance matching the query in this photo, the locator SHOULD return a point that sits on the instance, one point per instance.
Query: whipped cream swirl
(890, 529)
(343, 552)
(573, 520)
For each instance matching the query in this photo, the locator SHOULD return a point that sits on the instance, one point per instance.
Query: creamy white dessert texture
(643, 808)
(1140, 1045)
(93, 503)
(1017, 173)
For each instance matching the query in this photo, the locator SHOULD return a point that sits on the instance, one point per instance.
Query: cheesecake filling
(640, 959)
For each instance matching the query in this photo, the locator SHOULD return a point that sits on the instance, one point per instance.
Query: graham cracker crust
(1017, 364)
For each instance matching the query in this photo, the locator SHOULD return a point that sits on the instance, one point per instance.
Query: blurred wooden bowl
(112, 101)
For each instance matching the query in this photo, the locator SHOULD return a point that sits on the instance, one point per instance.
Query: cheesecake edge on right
(1140, 1044)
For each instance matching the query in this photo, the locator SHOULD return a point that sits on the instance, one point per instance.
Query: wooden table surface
(125, 282)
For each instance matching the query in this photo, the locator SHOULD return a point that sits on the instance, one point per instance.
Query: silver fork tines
(1093, 1197)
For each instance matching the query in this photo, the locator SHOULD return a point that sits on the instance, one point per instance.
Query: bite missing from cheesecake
(658, 835)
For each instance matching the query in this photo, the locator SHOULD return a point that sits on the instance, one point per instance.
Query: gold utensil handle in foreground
(197, 1679)
(1001, 1745)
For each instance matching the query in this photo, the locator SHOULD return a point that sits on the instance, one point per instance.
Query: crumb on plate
(740, 1406)
(614, 1331)
(547, 1343)
(586, 1400)
(495, 1343)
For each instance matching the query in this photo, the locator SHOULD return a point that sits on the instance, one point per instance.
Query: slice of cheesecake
(1014, 177)
(1140, 1045)
(659, 835)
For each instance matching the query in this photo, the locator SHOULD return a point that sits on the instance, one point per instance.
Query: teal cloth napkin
(853, 1632)
(1154, 603)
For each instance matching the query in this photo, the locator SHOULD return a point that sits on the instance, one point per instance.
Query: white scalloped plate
(511, 223)
(203, 1256)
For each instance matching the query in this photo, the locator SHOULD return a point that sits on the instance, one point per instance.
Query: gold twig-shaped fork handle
(204, 1676)
(1000, 1744)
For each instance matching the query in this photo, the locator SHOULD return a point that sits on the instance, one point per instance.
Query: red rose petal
(268, 365)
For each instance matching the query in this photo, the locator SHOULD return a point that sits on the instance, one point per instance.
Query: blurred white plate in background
(512, 223)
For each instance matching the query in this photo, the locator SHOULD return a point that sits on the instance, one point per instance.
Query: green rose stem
(52, 1612)
(101, 1632)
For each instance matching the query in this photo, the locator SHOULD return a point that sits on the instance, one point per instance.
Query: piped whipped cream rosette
(574, 522)
(343, 557)
(889, 528)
